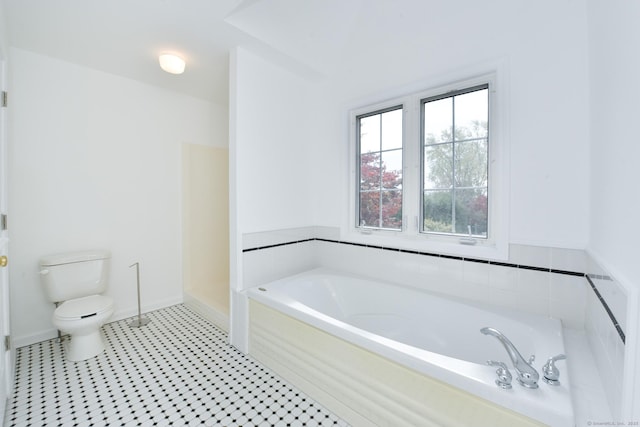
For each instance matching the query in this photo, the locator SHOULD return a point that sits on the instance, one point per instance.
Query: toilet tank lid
(71, 257)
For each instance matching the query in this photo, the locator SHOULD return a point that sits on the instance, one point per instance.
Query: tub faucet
(527, 375)
(550, 372)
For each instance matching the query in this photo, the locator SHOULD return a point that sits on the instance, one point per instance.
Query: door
(6, 351)
(6, 376)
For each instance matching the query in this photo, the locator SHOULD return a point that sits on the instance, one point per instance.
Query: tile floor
(177, 370)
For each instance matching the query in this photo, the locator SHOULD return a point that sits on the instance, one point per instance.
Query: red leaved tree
(380, 193)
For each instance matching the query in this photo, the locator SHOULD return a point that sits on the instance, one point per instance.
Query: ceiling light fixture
(171, 63)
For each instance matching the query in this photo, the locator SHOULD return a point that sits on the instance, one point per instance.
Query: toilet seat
(82, 308)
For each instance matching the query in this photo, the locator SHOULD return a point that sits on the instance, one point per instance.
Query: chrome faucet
(527, 375)
(504, 376)
(550, 373)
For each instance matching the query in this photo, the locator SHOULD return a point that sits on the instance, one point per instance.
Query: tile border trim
(475, 260)
(613, 319)
(292, 242)
(414, 252)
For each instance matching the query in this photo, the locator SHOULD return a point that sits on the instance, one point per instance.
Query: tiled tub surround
(537, 280)
(606, 329)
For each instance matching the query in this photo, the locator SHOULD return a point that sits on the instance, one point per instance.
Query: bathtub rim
(468, 376)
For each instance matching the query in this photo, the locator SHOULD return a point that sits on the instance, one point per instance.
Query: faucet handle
(504, 376)
(550, 372)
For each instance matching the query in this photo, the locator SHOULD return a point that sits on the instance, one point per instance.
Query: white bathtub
(435, 336)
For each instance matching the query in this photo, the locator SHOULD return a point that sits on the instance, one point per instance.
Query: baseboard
(34, 338)
(145, 308)
(207, 311)
(117, 315)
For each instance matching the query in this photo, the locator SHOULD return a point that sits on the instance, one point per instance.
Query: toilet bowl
(82, 318)
(75, 282)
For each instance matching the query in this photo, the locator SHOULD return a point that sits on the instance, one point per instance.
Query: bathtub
(416, 335)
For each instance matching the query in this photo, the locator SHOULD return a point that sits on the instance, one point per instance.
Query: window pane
(380, 192)
(437, 211)
(471, 163)
(392, 129)
(370, 134)
(456, 159)
(370, 171)
(438, 121)
(438, 166)
(392, 169)
(392, 209)
(369, 209)
(471, 114)
(471, 212)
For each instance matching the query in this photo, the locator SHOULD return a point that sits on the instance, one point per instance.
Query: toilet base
(83, 347)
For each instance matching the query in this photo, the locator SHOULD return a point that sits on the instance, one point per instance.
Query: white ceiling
(124, 37)
(314, 37)
(316, 33)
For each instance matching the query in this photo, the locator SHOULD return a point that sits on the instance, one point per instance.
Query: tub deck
(432, 337)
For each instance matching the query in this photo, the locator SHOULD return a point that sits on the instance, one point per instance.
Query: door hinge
(5, 98)
(7, 342)
(3, 222)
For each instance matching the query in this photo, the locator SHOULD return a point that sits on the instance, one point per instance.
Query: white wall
(286, 120)
(95, 163)
(272, 145)
(572, 102)
(614, 111)
(614, 38)
(290, 135)
(270, 182)
(544, 47)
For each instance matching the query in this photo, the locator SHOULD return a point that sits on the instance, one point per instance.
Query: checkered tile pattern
(177, 370)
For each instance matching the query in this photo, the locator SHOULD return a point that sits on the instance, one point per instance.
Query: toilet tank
(74, 274)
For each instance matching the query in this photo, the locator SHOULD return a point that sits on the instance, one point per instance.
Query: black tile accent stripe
(606, 307)
(531, 267)
(414, 252)
(407, 251)
(479, 261)
(569, 273)
(501, 264)
(476, 260)
(293, 242)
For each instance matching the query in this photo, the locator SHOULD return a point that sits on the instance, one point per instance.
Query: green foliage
(436, 226)
(380, 193)
(456, 181)
(470, 210)
(467, 158)
(437, 211)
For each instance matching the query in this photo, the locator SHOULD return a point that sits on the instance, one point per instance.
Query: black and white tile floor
(178, 370)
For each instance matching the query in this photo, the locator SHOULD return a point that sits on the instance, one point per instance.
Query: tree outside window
(380, 169)
(455, 154)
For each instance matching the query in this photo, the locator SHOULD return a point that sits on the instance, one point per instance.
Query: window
(379, 144)
(430, 170)
(455, 137)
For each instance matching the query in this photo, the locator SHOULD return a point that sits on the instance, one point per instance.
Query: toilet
(75, 282)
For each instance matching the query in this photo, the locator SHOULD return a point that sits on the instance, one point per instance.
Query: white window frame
(496, 245)
(359, 165)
